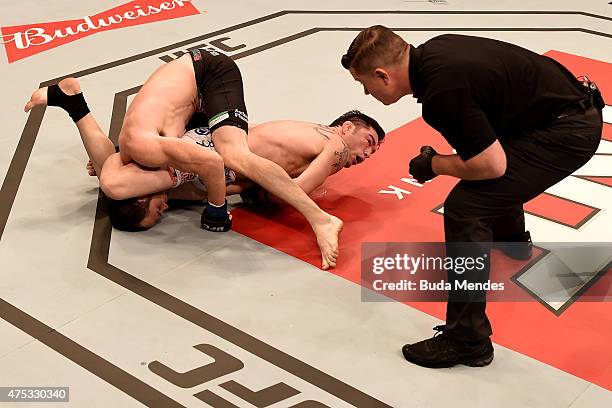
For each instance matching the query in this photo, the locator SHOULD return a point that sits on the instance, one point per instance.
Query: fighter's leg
(153, 151)
(118, 181)
(97, 144)
(67, 95)
(219, 84)
(230, 143)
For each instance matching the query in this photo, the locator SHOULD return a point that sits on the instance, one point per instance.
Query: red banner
(25, 40)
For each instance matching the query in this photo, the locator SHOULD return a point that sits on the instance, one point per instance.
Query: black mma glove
(255, 196)
(216, 219)
(420, 166)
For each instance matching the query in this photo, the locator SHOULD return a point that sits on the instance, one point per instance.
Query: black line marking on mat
(471, 29)
(576, 227)
(515, 279)
(214, 400)
(85, 358)
(16, 169)
(119, 109)
(276, 43)
(576, 296)
(102, 232)
(437, 208)
(586, 178)
(272, 16)
(524, 269)
(594, 211)
(98, 262)
(458, 12)
(156, 51)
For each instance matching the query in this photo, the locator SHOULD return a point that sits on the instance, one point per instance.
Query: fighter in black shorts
(210, 81)
(220, 93)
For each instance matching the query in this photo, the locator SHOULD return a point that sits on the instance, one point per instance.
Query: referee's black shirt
(475, 90)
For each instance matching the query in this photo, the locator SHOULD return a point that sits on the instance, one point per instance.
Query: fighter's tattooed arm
(324, 131)
(342, 158)
(334, 156)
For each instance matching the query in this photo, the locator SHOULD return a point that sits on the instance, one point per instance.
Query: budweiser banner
(25, 40)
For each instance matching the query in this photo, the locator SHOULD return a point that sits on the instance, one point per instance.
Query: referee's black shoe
(441, 352)
(516, 247)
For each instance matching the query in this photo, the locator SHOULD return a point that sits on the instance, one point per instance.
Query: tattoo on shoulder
(342, 158)
(324, 131)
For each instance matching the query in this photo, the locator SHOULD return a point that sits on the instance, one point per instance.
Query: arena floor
(180, 317)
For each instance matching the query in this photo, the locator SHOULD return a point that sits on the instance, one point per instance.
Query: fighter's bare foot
(70, 86)
(327, 233)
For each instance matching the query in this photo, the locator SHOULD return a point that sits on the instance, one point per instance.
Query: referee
(520, 122)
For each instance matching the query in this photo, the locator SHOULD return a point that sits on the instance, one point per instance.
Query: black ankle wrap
(75, 105)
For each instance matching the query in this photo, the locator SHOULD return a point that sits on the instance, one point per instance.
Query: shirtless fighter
(206, 164)
(308, 152)
(211, 82)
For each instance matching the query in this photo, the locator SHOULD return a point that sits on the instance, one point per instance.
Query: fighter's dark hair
(126, 215)
(360, 119)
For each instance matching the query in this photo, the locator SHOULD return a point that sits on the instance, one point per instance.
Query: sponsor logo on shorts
(202, 131)
(23, 41)
(218, 118)
(241, 115)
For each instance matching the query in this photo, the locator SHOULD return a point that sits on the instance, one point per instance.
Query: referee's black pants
(490, 210)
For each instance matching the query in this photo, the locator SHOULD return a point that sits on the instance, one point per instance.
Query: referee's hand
(420, 166)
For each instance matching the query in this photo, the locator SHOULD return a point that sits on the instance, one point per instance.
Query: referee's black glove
(420, 166)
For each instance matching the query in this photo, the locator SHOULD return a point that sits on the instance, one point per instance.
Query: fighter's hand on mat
(420, 166)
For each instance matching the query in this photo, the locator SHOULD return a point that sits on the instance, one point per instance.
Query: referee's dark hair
(374, 47)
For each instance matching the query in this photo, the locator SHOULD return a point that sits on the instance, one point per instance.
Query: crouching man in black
(520, 122)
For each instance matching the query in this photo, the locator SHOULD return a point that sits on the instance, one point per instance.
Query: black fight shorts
(220, 91)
